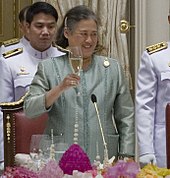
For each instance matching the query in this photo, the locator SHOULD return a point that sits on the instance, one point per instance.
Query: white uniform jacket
(16, 75)
(152, 96)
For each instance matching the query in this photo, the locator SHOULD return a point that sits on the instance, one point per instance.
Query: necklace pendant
(106, 63)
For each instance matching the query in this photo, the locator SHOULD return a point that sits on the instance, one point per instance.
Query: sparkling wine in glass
(76, 59)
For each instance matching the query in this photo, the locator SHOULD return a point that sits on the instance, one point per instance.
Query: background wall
(157, 25)
(9, 10)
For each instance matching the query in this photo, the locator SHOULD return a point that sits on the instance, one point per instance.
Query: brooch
(106, 62)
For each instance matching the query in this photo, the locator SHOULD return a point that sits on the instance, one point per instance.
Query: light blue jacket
(113, 99)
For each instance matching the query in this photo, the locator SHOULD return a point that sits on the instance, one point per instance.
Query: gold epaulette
(156, 47)
(61, 48)
(12, 52)
(10, 42)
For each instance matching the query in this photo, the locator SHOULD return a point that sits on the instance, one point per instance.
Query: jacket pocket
(113, 145)
(21, 86)
(165, 75)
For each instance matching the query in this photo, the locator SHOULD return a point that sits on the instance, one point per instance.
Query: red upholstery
(18, 130)
(25, 128)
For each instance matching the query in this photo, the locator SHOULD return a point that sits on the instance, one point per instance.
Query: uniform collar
(24, 41)
(37, 54)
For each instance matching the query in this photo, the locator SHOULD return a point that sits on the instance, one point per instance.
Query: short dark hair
(71, 18)
(22, 14)
(40, 7)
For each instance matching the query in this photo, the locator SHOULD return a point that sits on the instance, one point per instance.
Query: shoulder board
(12, 52)
(61, 48)
(11, 42)
(156, 47)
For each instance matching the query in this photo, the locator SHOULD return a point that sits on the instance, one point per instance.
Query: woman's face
(84, 34)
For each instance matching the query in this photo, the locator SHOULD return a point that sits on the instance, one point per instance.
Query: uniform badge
(22, 71)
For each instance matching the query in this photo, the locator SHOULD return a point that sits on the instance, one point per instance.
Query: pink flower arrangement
(75, 163)
(19, 172)
(129, 169)
(74, 159)
(51, 170)
(124, 169)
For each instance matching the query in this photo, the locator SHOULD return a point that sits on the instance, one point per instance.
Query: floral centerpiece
(52, 170)
(75, 159)
(75, 164)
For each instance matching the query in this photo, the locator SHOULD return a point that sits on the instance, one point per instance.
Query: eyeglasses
(85, 35)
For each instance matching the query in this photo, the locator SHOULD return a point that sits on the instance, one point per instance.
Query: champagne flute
(76, 59)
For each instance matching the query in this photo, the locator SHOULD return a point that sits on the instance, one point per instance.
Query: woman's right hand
(71, 80)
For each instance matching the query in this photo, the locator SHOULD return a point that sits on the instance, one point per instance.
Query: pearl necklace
(76, 125)
(106, 64)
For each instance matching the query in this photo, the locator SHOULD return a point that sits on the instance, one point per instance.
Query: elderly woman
(55, 90)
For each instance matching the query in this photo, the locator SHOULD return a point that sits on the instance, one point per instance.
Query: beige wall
(157, 25)
(9, 10)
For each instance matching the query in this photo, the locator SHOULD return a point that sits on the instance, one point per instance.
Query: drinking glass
(76, 59)
(45, 144)
(60, 146)
(40, 150)
(35, 151)
(76, 62)
(60, 149)
(34, 146)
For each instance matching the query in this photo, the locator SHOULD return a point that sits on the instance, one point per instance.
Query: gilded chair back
(18, 130)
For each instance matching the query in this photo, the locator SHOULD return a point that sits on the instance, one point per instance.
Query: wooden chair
(18, 130)
(168, 134)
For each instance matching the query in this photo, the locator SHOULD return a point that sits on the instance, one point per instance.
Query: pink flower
(51, 170)
(19, 172)
(122, 168)
(74, 159)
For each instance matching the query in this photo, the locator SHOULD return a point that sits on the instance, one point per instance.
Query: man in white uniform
(152, 96)
(19, 66)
